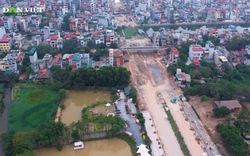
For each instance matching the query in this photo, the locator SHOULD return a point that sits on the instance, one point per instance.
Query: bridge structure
(140, 48)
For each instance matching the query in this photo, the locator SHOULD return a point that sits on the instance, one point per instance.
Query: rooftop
(32, 51)
(5, 39)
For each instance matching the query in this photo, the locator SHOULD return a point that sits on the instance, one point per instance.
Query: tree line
(83, 77)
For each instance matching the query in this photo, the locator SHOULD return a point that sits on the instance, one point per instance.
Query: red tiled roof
(175, 51)
(97, 64)
(183, 76)
(54, 37)
(43, 70)
(118, 62)
(196, 62)
(20, 57)
(70, 57)
(67, 36)
(57, 58)
(197, 49)
(5, 39)
(108, 39)
(74, 68)
(96, 35)
(237, 53)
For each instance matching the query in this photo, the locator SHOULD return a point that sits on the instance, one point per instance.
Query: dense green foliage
(221, 112)
(22, 143)
(65, 24)
(35, 106)
(105, 76)
(99, 53)
(231, 136)
(133, 95)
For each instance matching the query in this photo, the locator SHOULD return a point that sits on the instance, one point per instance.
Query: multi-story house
(23, 24)
(55, 41)
(5, 43)
(12, 61)
(48, 60)
(156, 38)
(67, 60)
(58, 60)
(209, 52)
(247, 62)
(98, 38)
(73, 23)
(174, 55)
(76, 61)
(182, 79)
(85, 59)
(219, 59)
(236, 57)
(195, 51)
(36, 40)
(18, 40)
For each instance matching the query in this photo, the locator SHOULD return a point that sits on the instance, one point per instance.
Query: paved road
(4, 118)
(197, 23)
(132, 127)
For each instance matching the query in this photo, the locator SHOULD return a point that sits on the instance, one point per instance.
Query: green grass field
(120, 33)
(129, 32)
(34, 106)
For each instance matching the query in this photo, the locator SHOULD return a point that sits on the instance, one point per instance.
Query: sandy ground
(58, 114)
(147, 93)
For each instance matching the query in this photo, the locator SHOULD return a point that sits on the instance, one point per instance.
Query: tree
(49, 133)
(113, 45)
(70, 46)
(214, 40)
(221, 112)
(113, 90)
(43, 49)
(90, 44)
(63, 93)
(231, 135)
(172, 69)
(75, 135)
(87, 50)
(65, 24)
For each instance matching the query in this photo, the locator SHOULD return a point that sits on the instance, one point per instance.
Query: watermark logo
(13, 11)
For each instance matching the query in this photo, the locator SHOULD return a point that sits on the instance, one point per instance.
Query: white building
(46, 32)
(12, 61)
(247, 62)
(210, 47)
(2, 32)
(195, 51)
(93, 6)
(33, 55)
(111, 57)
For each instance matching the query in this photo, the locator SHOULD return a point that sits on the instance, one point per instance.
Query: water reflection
(111, 147)
(79, 99)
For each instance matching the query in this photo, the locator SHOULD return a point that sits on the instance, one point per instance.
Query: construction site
(149, 76)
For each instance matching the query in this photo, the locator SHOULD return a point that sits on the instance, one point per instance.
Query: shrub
(204, 98)
(221, 112)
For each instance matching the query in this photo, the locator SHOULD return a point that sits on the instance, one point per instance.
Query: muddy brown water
(111, 147)
(77, 100)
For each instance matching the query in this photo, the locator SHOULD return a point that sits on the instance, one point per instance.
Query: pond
(111, 147)
(77, 100)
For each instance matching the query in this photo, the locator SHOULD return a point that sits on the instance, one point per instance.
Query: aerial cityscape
(124, 78)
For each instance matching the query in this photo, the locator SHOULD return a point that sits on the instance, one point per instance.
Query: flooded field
(111, 147)
(77, 100)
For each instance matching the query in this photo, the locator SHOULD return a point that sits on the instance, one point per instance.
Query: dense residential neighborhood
(124, 77)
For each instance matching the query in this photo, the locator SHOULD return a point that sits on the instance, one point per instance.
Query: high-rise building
(93, 6)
